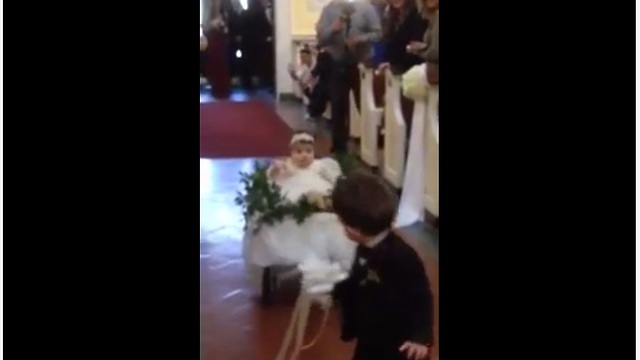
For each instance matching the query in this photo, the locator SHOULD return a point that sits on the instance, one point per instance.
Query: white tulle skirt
(320, 237)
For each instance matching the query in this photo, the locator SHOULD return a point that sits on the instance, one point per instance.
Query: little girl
(320, 236)
(301, 173)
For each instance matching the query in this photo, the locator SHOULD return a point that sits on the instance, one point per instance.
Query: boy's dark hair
(364, 202)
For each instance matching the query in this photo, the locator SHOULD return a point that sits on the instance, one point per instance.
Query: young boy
(386, 302)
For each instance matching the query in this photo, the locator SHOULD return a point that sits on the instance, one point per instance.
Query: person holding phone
(402, 24)
(347, 30)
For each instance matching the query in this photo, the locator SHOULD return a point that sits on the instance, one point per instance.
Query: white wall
(284, 45)
(295, 22)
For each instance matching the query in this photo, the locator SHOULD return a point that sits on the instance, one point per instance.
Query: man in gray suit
(347, 29)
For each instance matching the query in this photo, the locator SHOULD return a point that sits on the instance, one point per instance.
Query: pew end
(395, 132)
(355, 118)
(431, 154)
(371, 119)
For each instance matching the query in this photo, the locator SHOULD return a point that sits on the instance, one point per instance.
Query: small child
(302, 160)
(301, 74)
(311, 78)
(302, 157)
(386, 302)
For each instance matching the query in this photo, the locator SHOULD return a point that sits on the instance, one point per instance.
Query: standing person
(386, 302)
(234, 23)
(428, 49)
(267, 70)
(347, 30)
(378, 46)
(216, 63)
(402, 24)
(257, 43)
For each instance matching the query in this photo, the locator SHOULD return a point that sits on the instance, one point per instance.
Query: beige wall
(295, 23)
(304, 15)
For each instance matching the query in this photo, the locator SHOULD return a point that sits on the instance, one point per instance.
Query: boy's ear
(352, 233)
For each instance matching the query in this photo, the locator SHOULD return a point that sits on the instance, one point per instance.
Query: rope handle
(325, 319)
(298, 325)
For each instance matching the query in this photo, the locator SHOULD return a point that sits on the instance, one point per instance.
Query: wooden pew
(370, 118)
(395, 130)
(355, 117)
(431, 145)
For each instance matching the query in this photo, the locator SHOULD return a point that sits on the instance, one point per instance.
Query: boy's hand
(414, 351)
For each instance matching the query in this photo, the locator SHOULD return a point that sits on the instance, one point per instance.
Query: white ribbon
(412, 204)
(318, 280)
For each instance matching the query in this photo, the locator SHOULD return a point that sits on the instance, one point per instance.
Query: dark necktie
(347, 11)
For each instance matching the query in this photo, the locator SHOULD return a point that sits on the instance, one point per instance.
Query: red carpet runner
(242, 129)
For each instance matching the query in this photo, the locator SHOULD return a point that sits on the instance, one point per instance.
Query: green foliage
(348, 163)
(263, 203)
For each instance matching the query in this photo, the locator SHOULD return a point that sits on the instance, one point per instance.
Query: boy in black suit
(386, 302)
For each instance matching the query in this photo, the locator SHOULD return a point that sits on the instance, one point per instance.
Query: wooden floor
(234, 325)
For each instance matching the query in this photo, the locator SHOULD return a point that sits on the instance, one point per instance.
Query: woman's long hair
(394, 17)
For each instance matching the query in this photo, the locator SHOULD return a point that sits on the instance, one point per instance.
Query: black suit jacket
(396, 40)
(256, 28)
(387, 298)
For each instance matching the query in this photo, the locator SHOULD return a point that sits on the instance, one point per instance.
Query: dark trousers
(344, 78)
(257, 61)
(318, 100)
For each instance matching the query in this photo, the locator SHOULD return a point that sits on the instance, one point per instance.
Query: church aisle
(234, 325)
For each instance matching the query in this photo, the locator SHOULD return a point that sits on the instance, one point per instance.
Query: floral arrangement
(263, 203)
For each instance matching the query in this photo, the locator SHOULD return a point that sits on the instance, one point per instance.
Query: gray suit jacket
(365, 22)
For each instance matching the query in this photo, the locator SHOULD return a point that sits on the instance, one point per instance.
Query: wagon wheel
(268, 285)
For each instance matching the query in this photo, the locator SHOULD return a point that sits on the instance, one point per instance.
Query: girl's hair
(393, 17)
(302, 137)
